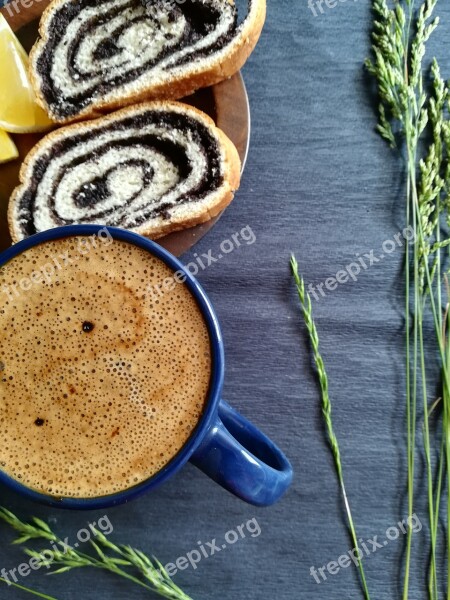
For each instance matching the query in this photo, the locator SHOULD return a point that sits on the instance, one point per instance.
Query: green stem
(122, 573)
(399, 48)
(28, 590)
(439, 489)
(177, 594)
(433, 591)
(306, 305)
(411, 400)
(434, 531)
(437, 319)
(419, 349)
(435, 524)
(410, 406)
(97, 564)
(446, 368)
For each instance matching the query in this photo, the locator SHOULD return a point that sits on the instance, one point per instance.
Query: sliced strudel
(153, 168)
(96, 56)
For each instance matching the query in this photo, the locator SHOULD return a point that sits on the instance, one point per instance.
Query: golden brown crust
(173, 89)
(11, 223)
(232, 168)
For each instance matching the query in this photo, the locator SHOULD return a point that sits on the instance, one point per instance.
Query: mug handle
(239, 457)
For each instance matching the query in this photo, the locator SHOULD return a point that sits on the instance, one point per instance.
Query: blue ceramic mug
(224, 445)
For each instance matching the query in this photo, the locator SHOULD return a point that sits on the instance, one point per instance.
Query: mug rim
(216, 379)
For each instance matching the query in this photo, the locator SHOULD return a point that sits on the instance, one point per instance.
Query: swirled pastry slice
(96, 56)
(153, 168)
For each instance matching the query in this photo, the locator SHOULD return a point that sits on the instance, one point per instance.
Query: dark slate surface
(321, 183)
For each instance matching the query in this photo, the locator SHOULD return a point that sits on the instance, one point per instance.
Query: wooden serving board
(227, 103)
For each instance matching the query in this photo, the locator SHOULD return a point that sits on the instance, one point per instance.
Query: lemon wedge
(19, 111)
(8, 150)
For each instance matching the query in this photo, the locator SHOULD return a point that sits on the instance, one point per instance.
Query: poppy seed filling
(95, 49)
(122, 173)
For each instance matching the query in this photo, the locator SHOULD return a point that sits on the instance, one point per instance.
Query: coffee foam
(101, 382)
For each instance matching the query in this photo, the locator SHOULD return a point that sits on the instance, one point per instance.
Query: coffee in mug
(102, 382)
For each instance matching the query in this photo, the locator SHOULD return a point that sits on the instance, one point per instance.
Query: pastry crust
(195, 214)
(220, 66)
